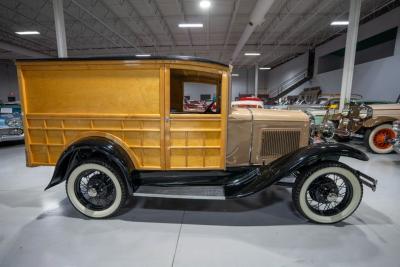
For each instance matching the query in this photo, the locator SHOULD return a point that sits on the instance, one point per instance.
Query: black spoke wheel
(328, 192)
(96, 189)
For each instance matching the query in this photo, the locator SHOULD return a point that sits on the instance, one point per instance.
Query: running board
(188, 192)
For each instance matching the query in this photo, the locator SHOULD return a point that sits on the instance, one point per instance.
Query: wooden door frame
(166, 116)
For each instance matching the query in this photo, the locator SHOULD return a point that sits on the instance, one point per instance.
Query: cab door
(196, 106)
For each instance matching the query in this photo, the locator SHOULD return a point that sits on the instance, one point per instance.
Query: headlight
(14, 123)
(311, 120)
(365, 112)
(396, 126)
(328, 130)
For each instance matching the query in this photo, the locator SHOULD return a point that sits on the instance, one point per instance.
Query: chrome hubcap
(92, 192)
(332, 197)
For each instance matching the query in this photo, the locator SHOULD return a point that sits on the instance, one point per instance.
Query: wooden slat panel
(48, 138)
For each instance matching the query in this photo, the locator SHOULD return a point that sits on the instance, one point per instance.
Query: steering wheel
(209, 108)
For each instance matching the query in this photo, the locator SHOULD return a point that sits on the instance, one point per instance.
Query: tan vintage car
(373, 123)
(117, 127)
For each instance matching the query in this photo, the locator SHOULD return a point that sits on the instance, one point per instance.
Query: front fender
(92, 147)
(290, 163)
(372, 122)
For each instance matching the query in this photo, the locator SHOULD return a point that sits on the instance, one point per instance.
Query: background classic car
(11, 122)
(373, 122)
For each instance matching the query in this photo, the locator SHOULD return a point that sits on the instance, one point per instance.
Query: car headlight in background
(365, 112)
(311, 120)
(328, 130)
(14, 123)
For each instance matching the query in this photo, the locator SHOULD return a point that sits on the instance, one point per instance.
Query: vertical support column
(350, 52)
(397, 44)
(60, 28)
(256, 80)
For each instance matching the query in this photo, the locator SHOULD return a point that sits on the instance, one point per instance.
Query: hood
(268, 114)
(388, 110)
(385, 106)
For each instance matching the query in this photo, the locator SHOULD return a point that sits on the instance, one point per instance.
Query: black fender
(93, 147)
(290, 163)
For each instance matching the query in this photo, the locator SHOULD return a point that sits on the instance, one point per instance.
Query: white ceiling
(128, 27)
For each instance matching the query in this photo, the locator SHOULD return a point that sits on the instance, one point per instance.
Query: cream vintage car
(116, 127)
(372, 122)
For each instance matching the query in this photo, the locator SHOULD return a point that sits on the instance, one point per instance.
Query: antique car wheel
(96, 190)
(377, 139)
(327, 193)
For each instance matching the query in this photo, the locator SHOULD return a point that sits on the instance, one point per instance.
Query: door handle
(167, 119)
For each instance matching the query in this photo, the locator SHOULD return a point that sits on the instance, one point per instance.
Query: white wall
(378, 79)
(194, 90)
(286, 71)
(244, 83)
(8, 80)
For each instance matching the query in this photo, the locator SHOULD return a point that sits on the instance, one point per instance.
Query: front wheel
(327, 193)
(96, 189)
(377, 139)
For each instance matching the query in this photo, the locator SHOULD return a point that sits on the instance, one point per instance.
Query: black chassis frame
(237, 181)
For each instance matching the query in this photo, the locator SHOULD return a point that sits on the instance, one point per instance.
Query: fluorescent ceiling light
(235, 75)
(143, 55)
(204, 4)
(265, 68)
(190, 25)
(251, 54)
(338, 23)
(27, 32)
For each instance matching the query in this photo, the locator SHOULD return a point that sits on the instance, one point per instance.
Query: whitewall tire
(327, 193)
(376, 139)
(96, 189)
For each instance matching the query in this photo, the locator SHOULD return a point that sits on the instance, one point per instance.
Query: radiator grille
(10, 131)
(279, 142)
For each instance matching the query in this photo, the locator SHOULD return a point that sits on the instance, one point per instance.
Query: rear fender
(93, 147)
(290, 163)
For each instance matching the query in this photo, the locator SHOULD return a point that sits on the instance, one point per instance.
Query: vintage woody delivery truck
(115, 127)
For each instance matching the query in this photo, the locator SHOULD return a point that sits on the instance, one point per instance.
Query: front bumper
(396, 144)
(367, 180)
(344, 133)
(11, 134)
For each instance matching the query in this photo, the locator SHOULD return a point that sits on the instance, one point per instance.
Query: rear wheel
(96, 189)
(377, 139)
(327, 193)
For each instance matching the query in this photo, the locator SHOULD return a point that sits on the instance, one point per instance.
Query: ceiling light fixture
(28, 32)
(190, 25)
(143, 55)
(264, 68)
(235, 75)
(204, 4)
(339, 23)
(252, 54)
